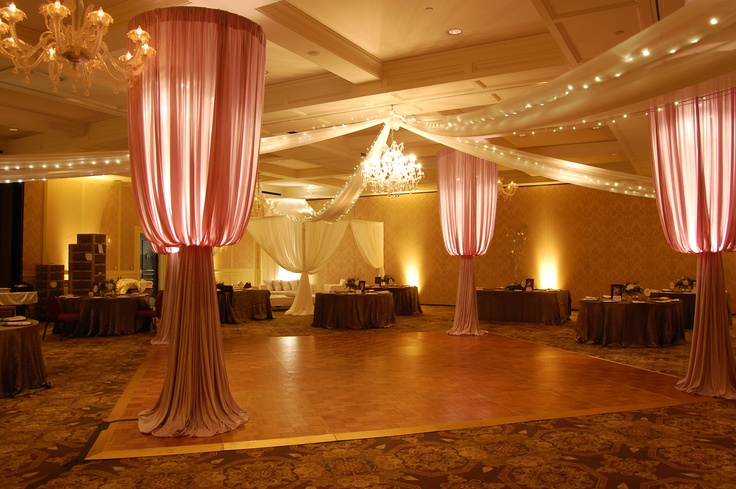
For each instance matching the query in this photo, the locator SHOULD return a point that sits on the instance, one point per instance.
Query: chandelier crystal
(507, 191)
(74, 50)
(392, 173)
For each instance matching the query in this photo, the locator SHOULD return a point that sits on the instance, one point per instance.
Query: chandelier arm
(124, 66)
(76, 47)
(106, 61)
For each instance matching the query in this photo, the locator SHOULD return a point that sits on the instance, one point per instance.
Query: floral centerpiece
(352, 283)
(105, 288)
(514, 286)
(633, 290)
(386, 279)
(685, 283)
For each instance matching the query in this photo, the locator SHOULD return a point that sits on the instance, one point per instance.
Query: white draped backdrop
(305, 247)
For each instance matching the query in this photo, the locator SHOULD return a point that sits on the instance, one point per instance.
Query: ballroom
(197, 207)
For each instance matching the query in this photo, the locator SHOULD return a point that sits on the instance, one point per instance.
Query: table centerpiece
(684, 284)
(633, 290)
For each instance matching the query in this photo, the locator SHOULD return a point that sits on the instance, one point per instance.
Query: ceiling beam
(295, 31)
(30, 121)
(288, 27)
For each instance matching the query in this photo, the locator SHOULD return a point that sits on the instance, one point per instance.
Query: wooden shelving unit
(49, 281)
(87, 263)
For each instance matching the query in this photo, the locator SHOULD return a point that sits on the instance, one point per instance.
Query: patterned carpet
(45, 434)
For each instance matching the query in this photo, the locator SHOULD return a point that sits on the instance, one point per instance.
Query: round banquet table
(244, 305)
(406, 298)
(354, 311)
(105, 316)
(21, 361)
(20, 300)
(540, 306)
(651, 324)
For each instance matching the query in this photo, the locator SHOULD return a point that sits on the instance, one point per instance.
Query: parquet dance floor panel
(305, 389)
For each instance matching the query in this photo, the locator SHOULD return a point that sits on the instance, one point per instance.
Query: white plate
(13, 318)
(17, 323)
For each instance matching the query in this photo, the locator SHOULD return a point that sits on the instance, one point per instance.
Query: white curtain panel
(369, 239)
(299, 247)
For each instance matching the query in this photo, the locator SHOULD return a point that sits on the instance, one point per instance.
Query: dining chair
(57, 316)
(152, 314)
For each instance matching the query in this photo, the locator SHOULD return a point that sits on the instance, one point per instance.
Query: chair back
(159, 303)
(53, 307)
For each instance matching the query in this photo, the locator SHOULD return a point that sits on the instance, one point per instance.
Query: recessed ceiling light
(455, 31)
(13, 129)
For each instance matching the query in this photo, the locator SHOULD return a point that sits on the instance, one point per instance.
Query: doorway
(149, 263)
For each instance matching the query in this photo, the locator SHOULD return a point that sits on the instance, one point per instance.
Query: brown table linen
(688, 299)
(537, 306)
(106, 316)
(244, 305)
(21, 362)
(406, 299)
(651, 324)
(354, 311)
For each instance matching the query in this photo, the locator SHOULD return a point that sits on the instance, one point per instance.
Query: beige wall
(585, 238)
(57, 210)
(577, 238)
(237, 263)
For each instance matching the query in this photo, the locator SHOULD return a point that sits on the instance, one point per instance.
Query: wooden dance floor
(306, 389)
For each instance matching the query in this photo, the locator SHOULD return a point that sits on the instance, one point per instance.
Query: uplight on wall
(411, 272)
(548, 275)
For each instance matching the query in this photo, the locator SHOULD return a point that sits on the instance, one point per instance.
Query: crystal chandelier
(392, 173)
(259, 201)
(508, 191)
(74, 50)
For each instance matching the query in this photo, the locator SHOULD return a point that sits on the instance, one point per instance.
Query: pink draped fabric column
(165, 324)
(694, 166)
(468, 192)
(194, 133)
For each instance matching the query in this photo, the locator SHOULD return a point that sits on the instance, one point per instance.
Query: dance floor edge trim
(100, 451)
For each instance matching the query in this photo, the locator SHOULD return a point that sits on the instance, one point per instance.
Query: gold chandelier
(75, 49)
(392, 173)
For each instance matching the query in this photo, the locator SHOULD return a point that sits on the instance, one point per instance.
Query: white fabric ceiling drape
(299, 247)
(613, 80)
(345, 199)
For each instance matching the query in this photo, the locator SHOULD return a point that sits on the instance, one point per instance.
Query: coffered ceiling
(332, 62)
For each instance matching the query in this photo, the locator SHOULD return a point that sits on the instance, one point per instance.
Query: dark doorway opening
(149, 264)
